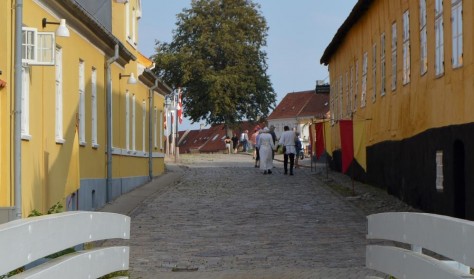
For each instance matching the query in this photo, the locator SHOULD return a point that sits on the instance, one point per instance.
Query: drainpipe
(109, 122)
(17, 110)
(150, 127)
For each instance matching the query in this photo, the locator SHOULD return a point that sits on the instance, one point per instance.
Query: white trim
(134, 123)
(82, 104)
(25, 103)
(94, 108)
(127, 120)
(143, 125)
(59, 136)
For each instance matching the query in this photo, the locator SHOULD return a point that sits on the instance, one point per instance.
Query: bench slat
(92, 263)
(403, 263)
(26, 240)
(444, 235)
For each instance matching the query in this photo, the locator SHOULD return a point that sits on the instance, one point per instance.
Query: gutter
(17, 110)
(109, 62)
(150, 127)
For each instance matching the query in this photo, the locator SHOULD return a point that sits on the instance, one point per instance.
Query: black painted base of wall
(407, 170)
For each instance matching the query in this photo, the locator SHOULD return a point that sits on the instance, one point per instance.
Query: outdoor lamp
(131, 78)
(62, 30)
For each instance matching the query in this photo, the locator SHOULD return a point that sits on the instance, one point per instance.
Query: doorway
(459, 180)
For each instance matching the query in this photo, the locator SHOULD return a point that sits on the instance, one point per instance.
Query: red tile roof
(302, 104)
(211, 139)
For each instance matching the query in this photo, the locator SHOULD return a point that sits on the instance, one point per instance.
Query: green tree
(217, 57)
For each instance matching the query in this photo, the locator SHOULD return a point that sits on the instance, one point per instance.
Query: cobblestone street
(222, 218)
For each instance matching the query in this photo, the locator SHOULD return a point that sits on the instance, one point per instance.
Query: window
(25, 103)
(127, 20)
(394, 56)
(423, 38)
(143, 124)
(341, 97)
(439, 171)
(351, 90)
(382, 65)
(127, 120)
(134, 19)
(356, 78)
(155, 128)
(94, 108)
(364, 81)
(82, 105)
(374, 72)
(439, 35)
(134, 146)
(348, 98)
(38, 48)
(406, 48)
(456, 23)
(59, 96)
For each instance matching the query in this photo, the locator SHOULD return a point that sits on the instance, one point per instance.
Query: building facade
(76, 91)
(399, 71)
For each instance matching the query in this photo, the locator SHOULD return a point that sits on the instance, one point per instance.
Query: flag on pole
(180, 107)
(319, 139)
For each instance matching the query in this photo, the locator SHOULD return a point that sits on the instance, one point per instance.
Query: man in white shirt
(287, 140)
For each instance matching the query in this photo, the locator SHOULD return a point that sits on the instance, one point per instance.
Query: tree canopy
(217, 58)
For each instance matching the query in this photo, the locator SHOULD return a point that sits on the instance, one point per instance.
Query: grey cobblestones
(224, 219)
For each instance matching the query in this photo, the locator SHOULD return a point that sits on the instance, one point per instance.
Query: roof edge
(357, 12)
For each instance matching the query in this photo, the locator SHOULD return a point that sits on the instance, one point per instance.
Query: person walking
(227, 142)
(274, 137)
(265, 147)
(287, 140)
(235, 143)
(256, 151)
(298, 147)
(244, 139)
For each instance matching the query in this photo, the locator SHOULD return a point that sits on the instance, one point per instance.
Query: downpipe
(109, 62)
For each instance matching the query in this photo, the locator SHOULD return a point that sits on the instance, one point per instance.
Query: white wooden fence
(24, 241)
(449, 237)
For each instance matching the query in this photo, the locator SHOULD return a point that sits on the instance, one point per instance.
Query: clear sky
(299, 32)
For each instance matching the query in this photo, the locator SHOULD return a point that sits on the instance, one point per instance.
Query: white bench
(448, 237)
(24, 241)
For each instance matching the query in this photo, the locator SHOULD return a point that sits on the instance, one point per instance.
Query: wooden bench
(25, 241)
(421, 234)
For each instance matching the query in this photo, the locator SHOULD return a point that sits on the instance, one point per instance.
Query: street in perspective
(217, 216)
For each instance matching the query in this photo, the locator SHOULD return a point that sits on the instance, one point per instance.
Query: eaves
(79, 19)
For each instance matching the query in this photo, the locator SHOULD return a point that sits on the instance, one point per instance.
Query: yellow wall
(425, 102)
(5, 101)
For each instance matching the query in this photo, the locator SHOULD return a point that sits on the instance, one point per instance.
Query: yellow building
(79, 93)
(399, 72)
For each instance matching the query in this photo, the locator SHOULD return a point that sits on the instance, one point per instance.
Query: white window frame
(134, 121)
(25, 103)
(127, 120)
(82, 104)
(457, 33)
(439, 171)
(439, 38)
(134, 20)
(348, 98)
(94, 108)
(38, 48)
(155, 128)
(406, 48)
(383, 73)
(374, 73)
(364, 80)
(127, 21)
(394, 56)
(356, 78)
(143, 125)
(59, 134)
(351, 89)
(423, 39)
(341, 97)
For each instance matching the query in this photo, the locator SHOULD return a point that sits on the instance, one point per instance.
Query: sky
(299, 32)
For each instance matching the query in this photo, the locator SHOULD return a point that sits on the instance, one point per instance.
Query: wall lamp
(131, 78)
(62, 30)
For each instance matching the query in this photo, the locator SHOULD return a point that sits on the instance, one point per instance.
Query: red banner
(319, 139)
(180, 107)
(347, 144)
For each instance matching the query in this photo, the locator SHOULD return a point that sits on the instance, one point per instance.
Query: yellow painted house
(91, 108)
(400, 71)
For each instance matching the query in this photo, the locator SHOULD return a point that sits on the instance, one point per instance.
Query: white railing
(414, 234)
(25, 241)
